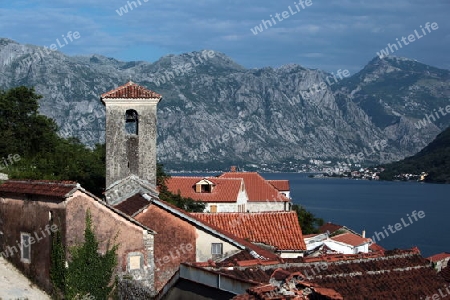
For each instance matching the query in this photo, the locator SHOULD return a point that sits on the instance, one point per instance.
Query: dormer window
(204, 186)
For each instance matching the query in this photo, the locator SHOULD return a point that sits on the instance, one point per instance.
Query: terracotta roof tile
(329, 227)
(224, 190)
(399, 275)
(258, 189)
(39, 187)
(445, 273)
(351, 239)
(132, 205)
(146, 219)
(281, 185)
(278, 229)
(376, 247)
(438, 257)
(131, 90)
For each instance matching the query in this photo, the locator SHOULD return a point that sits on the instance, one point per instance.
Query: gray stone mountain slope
(215, 112)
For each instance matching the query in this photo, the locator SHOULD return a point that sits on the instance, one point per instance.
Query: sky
(317, 34)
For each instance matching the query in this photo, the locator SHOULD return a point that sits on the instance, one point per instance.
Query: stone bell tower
(130, 133)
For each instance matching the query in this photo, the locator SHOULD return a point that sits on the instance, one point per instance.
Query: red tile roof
(132, 205)
(351, 239)
(146, 219)
(329, 227)
(224, 190)
(258, 189)
(278, 229)
(376, 248)
(438, 257)
(59, 189)
(445, 273)
(281, 185)
(402, 275)
(131, 90)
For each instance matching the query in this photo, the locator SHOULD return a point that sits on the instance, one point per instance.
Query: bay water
(374, 205)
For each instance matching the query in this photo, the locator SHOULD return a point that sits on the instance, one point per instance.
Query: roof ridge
(147, 92)
(46, 182)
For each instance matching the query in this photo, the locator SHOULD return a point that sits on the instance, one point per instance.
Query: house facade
(343, 243)
(234, 192)
(32, 211)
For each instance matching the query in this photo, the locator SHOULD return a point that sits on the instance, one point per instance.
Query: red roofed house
(234, 192)
(348, 243)
(343, 243)
(262, 196)
(183, 237)
(282, 186)
(279, 230)
(439, 260)
(219, 194)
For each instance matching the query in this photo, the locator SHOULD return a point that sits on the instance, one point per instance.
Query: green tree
(58, 264)
(308, 221)
(89, 272)
(23, 130)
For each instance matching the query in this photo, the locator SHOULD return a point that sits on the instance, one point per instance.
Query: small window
(131, 122)
(213, 208)
(206, 188)
(216, 248)
(135, 262)
(25, 247)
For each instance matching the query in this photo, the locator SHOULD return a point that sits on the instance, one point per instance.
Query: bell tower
(130, 133)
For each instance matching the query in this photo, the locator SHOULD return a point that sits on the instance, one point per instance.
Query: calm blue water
(370, 205)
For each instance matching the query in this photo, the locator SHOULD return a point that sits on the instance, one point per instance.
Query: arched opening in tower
(131, 122)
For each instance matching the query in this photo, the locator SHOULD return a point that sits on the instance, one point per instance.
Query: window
(134, 262)
(25, 247)
(131, 122)
(216, 249)
(213, 208)
(206, 188)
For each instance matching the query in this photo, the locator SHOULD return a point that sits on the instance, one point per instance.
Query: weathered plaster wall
(130, 154)
(110, 227)
(204, 243)
(174, 242)
(19, 215)
(266, 206)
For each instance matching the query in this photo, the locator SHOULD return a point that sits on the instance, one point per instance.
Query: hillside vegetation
(434, 159)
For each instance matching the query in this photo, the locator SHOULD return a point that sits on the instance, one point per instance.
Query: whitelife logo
(423, 122)
(280, 17)
(391, 48)
(398, 226)
(41, 53)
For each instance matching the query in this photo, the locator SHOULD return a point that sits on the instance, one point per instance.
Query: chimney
(233, 169)
(363, 234)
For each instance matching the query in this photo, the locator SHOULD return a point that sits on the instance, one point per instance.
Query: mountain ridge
(219, 113)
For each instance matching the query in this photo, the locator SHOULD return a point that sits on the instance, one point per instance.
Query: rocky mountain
(215, 112)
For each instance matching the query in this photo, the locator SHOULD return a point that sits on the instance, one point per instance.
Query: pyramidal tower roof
(131, 90)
